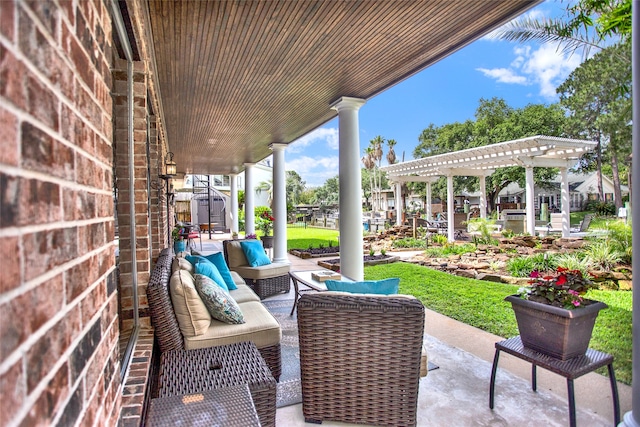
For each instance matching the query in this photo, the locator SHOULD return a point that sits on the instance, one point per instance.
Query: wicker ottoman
(229, 407)
(192, 371)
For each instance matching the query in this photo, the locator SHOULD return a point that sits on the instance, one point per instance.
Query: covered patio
(529, 152)
(106, 105)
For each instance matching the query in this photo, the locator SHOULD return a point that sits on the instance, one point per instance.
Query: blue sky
(446, 92)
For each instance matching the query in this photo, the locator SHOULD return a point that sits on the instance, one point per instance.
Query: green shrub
(619, 236)
(603, 254)
(453, 249)
(439, 239)
(409, 242)
(601, 208)
(434, 252)
(523, 266)
(507, 233)
(575, 261)
(485, 227)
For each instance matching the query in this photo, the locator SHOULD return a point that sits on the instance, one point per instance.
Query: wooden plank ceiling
(235, 76)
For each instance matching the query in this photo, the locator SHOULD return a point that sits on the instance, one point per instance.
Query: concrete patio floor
(457, 393)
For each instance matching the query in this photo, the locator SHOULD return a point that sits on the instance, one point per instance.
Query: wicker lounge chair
(265, 280)
(360, 357)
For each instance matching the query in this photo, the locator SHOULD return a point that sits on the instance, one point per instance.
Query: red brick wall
(58, 310)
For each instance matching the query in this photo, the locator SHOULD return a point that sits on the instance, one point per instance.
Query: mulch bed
(315, 252)
(334, 264)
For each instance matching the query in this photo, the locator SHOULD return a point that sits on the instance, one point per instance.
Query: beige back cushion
(193, 317)
(235, 254)
(181, 264)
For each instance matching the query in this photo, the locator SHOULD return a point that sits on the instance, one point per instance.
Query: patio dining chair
(194, 233)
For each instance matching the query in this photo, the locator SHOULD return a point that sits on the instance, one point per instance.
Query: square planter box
(554, 331)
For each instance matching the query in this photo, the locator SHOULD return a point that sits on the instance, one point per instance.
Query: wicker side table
(230, 406)
(192, 371)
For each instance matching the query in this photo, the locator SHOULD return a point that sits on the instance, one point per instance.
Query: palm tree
(590, 24)
(391, 154)
(268, 187)
(376, 145)
(369, 164)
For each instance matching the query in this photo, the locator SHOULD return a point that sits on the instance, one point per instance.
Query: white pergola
(530, 152)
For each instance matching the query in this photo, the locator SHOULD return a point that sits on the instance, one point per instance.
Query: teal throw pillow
(383, 287)
(218, 302)
(218, 260)
(206, 268)
(254, 252)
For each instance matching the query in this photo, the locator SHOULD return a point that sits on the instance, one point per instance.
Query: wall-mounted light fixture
(170, 167)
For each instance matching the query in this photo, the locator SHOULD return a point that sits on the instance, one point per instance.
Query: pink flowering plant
(265, 222)
(562, 288)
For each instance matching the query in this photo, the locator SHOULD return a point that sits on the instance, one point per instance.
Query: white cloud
(314, 170)
(547, 67)
(326, 136)
(503, 75)
(543, 65)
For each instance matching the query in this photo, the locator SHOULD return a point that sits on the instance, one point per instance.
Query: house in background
(193, 206)
(582, 188)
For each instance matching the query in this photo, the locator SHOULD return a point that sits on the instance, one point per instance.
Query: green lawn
(302, 238)
(481, 304)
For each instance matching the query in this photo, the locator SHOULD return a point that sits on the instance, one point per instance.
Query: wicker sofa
(265, 280)
(360, 357)
(260, 326)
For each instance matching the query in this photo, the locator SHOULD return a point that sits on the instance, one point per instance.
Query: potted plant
(179, 244)
(553, 317)
(265, 225)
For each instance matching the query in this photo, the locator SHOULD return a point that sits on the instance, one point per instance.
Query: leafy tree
(295, 187)
(495, 121)
(327, 195)
(241, 199)
(600, 111)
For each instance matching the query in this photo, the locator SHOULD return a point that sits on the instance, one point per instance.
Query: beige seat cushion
(193, 317)
(260, 327)
(236, 278)
(264, 271)
(243, 294)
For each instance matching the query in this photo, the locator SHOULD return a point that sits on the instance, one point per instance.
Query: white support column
(531, 211)
(564, 197)
(632, 417)
(351, 242)
(428, 201)
(483, 196)
(450, 209)
(233, 180)
(399, 207)
(279, 204)
(249, 200)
